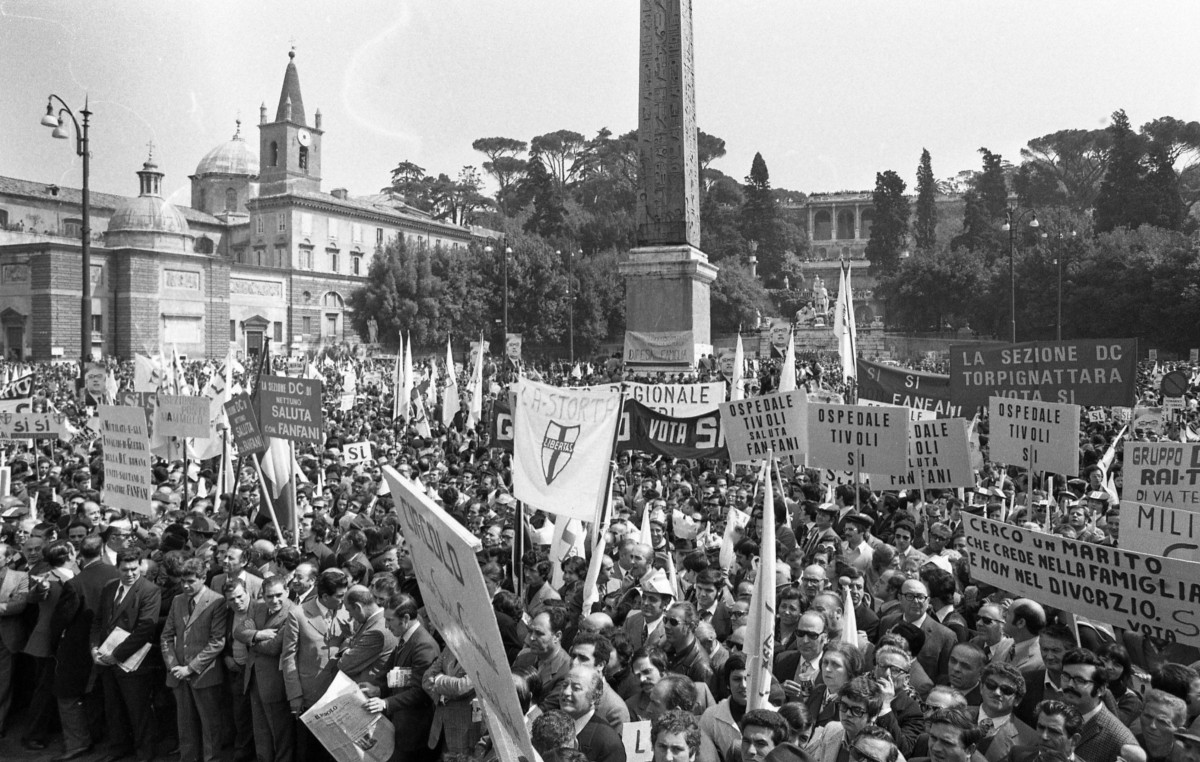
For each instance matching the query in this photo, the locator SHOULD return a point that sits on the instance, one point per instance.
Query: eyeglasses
(1068, 678)
(942, 537)
(736, 613)
(989, 621)
(1004, 688)
(892, 669)
(808, 634)
(671, 621)
(850, 709)
(915, 597)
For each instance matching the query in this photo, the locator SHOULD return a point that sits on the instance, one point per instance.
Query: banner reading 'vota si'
(650, 431)
(905, 387)
(1099, 372)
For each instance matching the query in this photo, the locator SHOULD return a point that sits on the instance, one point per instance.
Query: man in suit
(942, 589)
(1054, 641)
(72, 620)
(262, 633)
(989, 623)
(14, 590)
(192, 640)
(236, 565)
(237, 713)
(131, 603)
(544, 652)
(581, 690)
(313, 635)
(1083, 684)
(644, 628)
(397, 690)
(1058, 727)
(1023, 623)
(934, 656)
(965, 671)
(1002, 689)
(369, 647)
(954, 735)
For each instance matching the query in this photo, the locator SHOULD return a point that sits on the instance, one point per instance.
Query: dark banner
(501, 427)
(1100, 372)
(649, 431)
(907, 387)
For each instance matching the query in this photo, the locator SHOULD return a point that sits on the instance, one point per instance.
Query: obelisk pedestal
(667, 277)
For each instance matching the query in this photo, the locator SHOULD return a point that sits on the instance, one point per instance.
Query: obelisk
(667, 277)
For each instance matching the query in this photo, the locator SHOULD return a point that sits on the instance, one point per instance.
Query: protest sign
(660, 349)
(356, 452)
(1145, 594)
(650, 431)
(860, 437)
(456, 600)
(914, 413)
(1172, 407)
(1152, 355)
(1193, 355)
(635, 736)
(826, 396)
(773, 422)
(1080, 371)
(938, 457)
(779, 332)
(502, 425)
(290, 408)
(1122, 414)
(1040, 436)
(20, 387)
(679, 400)
(1147, 418)
(126, 439)
(30, 425)
(512, 346)
(295, 366)
(1156, 530)
(562, 444)
(906, 387)
(345, 728)
(1096, 416)
(180, 415)
(243, 426)
(1163, 473)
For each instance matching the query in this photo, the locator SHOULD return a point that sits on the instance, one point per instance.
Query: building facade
(262, 252)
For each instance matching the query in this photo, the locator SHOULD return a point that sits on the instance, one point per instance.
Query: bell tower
(289, 149)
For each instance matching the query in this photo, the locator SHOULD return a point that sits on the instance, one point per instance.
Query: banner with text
(456, 600)
(1169, 532)
(666, 349)
(775, 423)
(679, 400)
(126, 438)
(357, 452)
(938, 457)
(290, 408)
(502, 425)
(243, 425)
(858, 437)
(33, 426)
(1039, 436)
(179, 415)
(1163, 473)
(1146, 594)
(1080, 371)
(915, 389)
(650, 431)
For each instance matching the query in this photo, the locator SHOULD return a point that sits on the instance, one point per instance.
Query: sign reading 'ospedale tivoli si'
(1101, 372)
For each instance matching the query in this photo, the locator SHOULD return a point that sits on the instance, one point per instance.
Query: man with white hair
(581, 691)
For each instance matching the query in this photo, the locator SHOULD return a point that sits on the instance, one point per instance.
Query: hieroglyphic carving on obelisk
(668, 210)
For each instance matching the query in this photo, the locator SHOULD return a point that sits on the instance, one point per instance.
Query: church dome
(148, 221)
(233, 157)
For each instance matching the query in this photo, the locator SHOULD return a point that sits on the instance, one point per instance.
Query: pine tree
(758, 213)
(1164, 207)
(925, 230)
(1121, 201)
(549, 213)
(978, 233)
(993, 191)
(890, 229)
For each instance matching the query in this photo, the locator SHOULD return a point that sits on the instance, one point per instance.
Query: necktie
(191, 605)
(987, 652)
(645, 633)
(120, 595)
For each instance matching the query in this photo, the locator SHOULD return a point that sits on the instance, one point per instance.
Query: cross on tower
(150, 150)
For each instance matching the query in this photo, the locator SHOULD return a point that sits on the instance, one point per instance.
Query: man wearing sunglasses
(874, 744)
(989, 623)
(797, 670)
(859, 703)
(1001, 689)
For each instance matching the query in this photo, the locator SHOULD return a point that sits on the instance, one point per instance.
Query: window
(356, 265)
(378, 236)
(304, 157)
(822, 226)
(306, 326)
(282, 223)
(239, 255)
(203, 245)
(305, 223)
(333, 230)
(306, 259)
(97, 323)
(865, 222)
(356, 233)
(72, 228)
(3, 218)
(333, 300)
(274, 154)
(845, 225)
(278, 332)
(333, 261)
(280, 257)
(260, 255)
(421, 243)
(258, 224)
(233, 330)
(231, 203)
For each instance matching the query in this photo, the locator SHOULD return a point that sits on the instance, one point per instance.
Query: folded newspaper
(116, 638)
(348, 731)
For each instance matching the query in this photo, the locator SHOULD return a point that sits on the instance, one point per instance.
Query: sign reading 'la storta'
(1079, 372)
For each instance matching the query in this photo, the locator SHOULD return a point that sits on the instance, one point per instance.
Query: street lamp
(753, 259)
(570, 303)
(81, 149)
(1058, 261)
(1013, 217)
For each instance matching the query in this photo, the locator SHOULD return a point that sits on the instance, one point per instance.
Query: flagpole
(266, 493)
(185, 473)
(295, 496)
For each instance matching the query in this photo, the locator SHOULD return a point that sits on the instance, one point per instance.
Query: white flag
(450, 401)
(562, 442)
(760, 630)
(737, 387)
(787, 372)
(406, 387)
(843, 325)
(398, 383)
(475, 385)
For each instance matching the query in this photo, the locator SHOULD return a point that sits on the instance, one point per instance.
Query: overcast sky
(829, 92)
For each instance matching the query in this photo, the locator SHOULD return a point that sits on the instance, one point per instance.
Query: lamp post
(1058, 261)
(570, 303)
(507, 254)
(81, 149)
(1012, 217)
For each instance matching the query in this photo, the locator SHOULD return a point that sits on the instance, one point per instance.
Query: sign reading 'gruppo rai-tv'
(1100, 372)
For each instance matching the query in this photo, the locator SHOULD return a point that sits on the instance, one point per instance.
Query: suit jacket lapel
(118, 608)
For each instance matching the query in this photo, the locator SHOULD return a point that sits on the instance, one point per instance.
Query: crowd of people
(199, 630)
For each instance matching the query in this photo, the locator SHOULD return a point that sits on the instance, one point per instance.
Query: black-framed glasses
(915, 597)
(1004, 688)
(942, 537)
(671, 621)
(1068, 678)
(808, 634)
(852, 710)
(736, 613)
(989, 621)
